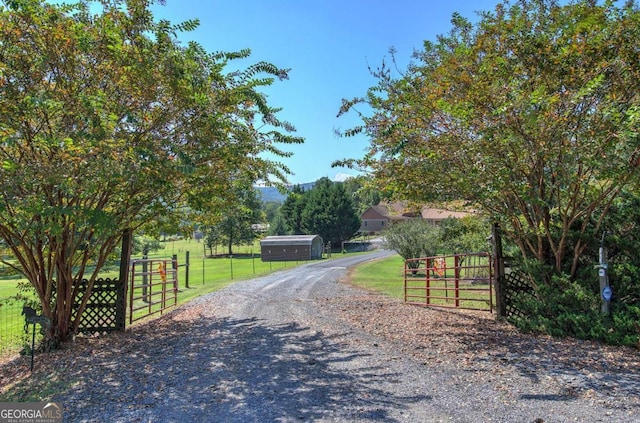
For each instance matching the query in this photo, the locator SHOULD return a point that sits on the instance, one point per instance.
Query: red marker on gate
(440, 266)
(163, 272)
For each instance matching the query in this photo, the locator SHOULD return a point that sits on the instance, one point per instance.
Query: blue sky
(328, 45)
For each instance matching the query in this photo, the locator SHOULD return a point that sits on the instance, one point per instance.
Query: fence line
(13, 338)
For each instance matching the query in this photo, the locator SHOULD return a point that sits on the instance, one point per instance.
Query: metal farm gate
(453, 281)
(153, 287)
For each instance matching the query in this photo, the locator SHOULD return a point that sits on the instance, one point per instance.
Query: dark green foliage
(270, 209)
(565, 307)
(575, 312)
(292, 210)
(325, 210)
(622, 243)
(235, 227)
(328, 212)
(144, 245)
(212, 238)
(362, 192)
(278, 225)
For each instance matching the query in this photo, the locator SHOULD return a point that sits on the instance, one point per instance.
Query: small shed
(291, 247)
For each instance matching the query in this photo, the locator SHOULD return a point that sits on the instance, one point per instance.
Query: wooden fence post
(125, 257)
(186, 270)
(174, 266)
(498, 271)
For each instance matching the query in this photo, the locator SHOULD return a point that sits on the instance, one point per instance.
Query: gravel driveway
(300, 345)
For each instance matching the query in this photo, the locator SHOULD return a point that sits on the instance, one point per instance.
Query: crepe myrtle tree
(532, 114)
(106, 123)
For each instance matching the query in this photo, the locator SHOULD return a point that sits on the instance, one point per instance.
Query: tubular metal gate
(454, 281)
(153, 287)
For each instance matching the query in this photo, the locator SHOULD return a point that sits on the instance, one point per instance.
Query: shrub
(413, 239)
(565, 308)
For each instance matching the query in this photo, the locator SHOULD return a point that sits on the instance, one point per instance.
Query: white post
(605, 288)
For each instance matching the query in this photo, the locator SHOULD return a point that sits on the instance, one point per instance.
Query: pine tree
(329, 212)
(278, 225)
(292, 210)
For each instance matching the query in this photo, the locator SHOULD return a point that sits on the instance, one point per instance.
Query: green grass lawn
(8, 287)
(384, 275)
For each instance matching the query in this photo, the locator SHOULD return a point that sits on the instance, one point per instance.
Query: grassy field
(385, 276)
(205, 274)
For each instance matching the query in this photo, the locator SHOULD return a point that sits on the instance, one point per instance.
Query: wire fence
(13, 337)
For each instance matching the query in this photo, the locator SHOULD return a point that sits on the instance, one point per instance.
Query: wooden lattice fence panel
(517, 286)
(105, 310)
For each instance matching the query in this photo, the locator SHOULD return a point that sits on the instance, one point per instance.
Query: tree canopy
(235, 227)
(326, 210)
(291, 210)
(532, 114)
(107, 121)
(362, 192)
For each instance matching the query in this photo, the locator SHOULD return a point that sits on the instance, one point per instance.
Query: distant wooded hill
(271, 194)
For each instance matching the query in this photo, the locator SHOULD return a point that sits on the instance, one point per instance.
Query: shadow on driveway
(227, 370)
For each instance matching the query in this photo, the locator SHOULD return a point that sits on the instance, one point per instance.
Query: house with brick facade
(377, 218)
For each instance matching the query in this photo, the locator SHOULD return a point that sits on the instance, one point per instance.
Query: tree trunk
(61, 324)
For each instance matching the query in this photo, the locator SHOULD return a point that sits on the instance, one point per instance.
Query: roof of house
(401, 211)
(289, 240)
(401, 208)
(380, 211)
(440, 214)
